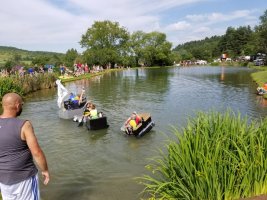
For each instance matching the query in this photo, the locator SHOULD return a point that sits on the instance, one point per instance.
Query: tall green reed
(26, 84)
(8, 84)
(217, 156)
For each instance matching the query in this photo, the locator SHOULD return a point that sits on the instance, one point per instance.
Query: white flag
(62, 92)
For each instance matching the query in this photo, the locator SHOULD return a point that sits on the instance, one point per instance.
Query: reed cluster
(218, 156)
(9, 85)
(26, 84)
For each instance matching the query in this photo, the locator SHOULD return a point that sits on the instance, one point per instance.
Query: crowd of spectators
(75, 71)
(22, 71)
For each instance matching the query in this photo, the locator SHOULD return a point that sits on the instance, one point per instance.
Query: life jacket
(138, 119)
(93, 114)
(133, 124)
(86, 112)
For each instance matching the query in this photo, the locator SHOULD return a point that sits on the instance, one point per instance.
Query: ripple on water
(102, 164)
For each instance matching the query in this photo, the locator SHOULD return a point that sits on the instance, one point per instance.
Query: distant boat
(142, 128)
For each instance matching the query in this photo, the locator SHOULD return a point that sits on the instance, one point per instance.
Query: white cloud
(216, 17)
(202, 29)
(54, 25)
(35, 22)
(179, 26)
(197, 27)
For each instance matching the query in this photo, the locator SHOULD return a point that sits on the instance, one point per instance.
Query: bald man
(18, 148)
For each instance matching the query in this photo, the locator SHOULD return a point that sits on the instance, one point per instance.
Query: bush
(26, 84)
(217, 156)
(9, 85)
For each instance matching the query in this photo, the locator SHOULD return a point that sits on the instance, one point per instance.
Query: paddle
(81, 122)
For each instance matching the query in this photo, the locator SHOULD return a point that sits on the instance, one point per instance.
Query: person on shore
(18, 148)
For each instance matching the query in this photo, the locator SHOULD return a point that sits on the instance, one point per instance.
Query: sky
(58, 25)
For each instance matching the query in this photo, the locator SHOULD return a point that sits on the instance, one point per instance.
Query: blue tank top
(16, 162)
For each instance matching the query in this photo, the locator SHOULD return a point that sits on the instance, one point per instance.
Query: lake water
(96, 165)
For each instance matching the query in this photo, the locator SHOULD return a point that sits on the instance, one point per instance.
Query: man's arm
(27, 134)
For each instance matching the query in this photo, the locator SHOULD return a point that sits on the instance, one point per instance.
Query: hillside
(205, 49)
(24, 56)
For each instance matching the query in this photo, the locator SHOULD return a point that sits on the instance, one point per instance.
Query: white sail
(62, 92)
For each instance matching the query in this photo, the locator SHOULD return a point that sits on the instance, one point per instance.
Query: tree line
(107, 43)
(236, 42)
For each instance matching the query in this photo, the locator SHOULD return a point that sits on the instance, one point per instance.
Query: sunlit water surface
(103, 164)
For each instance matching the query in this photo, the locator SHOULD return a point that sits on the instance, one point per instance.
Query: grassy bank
(27, 84)
(87, 76)
(65, 79)
(260, 77)
(217, 156)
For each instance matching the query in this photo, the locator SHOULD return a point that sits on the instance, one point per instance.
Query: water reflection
(102, 164)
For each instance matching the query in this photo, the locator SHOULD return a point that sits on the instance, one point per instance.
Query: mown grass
(85, 76)
(260, 77)
(217, 156)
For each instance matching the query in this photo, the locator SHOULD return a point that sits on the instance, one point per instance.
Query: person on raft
(76, 100)
(132, 122)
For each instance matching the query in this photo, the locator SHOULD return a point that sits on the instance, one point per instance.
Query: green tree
(235, 40)
(70, 57)
(151, 48)
(206, 49)
(105, 42)
(9, 64)
(261, 31)
(40, 60)
(137, 44)
(17, 58)
(184, 54)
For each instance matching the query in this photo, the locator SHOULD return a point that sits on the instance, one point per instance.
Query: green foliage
(261, 32)
(215, 64)
(205, 49)
(70, 57)
(40, 60)
(9, 64)
(235, 42)
(26, 84)
(217, 156)
(105, 42)
(260, 77)
(8, 84)
(17, 56)
(150, 49)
